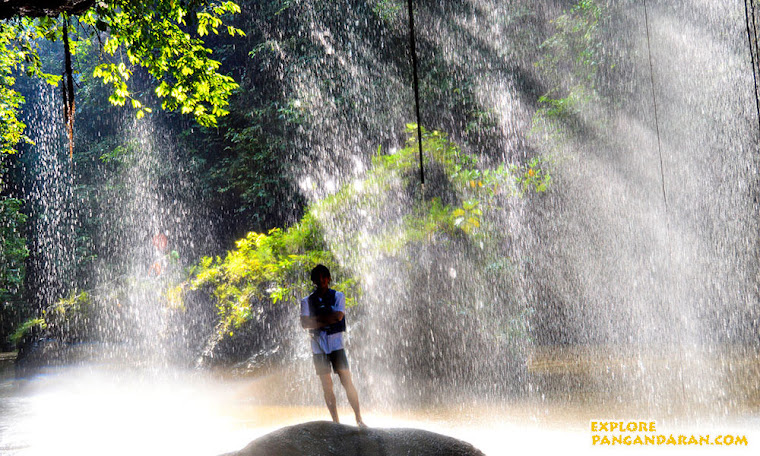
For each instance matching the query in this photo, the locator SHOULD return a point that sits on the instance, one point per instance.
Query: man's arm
(309, 322)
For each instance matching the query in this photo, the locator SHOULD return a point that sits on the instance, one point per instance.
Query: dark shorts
(336, 359)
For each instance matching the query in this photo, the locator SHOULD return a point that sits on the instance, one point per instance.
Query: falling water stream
(51, 197)
(632, 284)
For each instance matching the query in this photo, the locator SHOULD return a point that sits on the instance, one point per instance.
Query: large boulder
(324, 438)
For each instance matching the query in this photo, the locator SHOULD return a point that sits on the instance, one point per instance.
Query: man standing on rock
(322, 313)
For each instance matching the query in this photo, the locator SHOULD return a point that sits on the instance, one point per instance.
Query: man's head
(320, 275)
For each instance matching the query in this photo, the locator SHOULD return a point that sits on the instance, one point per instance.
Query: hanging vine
(67, 87)
(750, 16)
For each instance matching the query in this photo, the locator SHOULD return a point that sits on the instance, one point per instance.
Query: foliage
(293, 87)
(570, 62)
(571, 57)
(457, 95)
(15, 44)
(242, 168)
(385, 226)
(68, 318)
(12, 263)
(273, 267)
(11, 128)
(26, 328)
(477, 190)
(17, 54)
(298, 73)
(164, 37)
(14, 250)
(387, 10)
(154, 35)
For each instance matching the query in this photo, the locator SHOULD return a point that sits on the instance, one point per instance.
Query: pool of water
(107, 409)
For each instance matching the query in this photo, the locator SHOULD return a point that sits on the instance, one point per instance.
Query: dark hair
(319, 270)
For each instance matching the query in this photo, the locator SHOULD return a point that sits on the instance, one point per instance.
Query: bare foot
(361, 424)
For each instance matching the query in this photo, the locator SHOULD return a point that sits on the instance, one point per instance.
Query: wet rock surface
(324, 438)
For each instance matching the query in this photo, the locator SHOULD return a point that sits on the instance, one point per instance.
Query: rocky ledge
(324, 438)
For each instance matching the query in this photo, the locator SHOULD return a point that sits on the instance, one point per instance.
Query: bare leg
(327, 388)
(351, 394)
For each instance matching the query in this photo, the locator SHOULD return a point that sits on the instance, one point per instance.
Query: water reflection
(106, 409)
(89, 410)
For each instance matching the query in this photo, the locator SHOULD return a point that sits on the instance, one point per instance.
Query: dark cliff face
(323, 438)
(11, 8)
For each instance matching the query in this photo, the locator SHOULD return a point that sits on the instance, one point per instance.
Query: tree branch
(53, 8)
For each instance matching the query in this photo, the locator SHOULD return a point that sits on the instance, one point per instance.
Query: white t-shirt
(322, 343)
